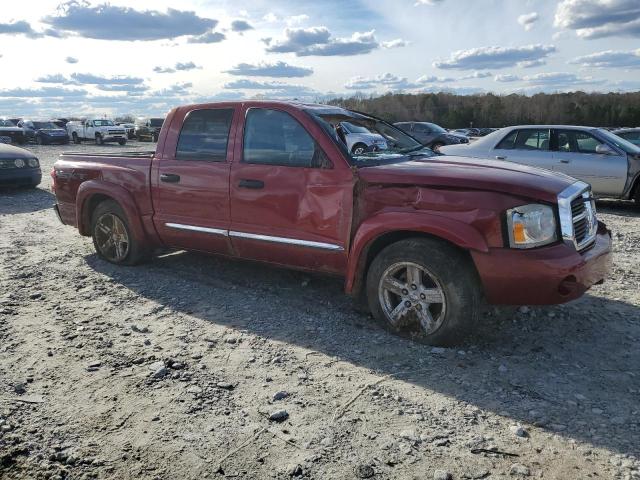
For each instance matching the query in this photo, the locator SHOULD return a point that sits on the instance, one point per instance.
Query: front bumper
(17, 177)
(544, 276)
(114, 138)
(57, 140)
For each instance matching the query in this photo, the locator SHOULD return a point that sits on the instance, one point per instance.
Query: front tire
(112, 236)
(75, 138)
(436, 146)
(359, 149)
(424, 288)
(39, 140)
(99, 140)
(122, 142)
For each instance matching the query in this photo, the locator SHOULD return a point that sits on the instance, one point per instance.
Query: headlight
(531, 226)
(19, 162)
(33, 162)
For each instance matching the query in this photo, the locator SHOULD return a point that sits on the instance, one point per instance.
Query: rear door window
(205, 135)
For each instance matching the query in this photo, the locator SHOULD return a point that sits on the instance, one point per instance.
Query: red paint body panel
(534, 277)
(346, 208)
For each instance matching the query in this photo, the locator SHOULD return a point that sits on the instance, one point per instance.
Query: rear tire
(112, 236)
(424, 288)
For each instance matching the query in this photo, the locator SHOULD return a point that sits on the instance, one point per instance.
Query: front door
(527, 146)
(575, 154)
(289, 204)
(190, 183)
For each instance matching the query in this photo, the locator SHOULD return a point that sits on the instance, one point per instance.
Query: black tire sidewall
(455, 274)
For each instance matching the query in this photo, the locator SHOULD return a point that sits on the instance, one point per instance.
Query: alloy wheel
(112, 238)
(412, 297)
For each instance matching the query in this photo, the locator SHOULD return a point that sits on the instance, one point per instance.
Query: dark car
(630, 134)
(10, 133)
(430, 134)
(148, 128)
(60, 122)
(18, 167)
(44, 132)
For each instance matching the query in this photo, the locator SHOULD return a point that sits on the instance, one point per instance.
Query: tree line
(490, 110)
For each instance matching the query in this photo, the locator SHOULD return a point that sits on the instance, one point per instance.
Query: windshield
(156, 122)
(44, 125)
(619, 142)
(103, 123)
(436, 128)
(6, 123)
(396, 146)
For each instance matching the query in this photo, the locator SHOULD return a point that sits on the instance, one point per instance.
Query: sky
(82, 57)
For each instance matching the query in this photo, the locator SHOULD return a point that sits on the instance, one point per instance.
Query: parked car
(359, 139)
(18, 167)
(98, 130)
(431, 135)
(148, 129)
(422, 237)
(596, 156)
(630, 134)
(130, 128)
(60, 122)
(44, 132)
(10, 133)
(467, 132)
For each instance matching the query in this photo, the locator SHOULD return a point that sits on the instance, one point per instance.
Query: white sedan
(609, 163)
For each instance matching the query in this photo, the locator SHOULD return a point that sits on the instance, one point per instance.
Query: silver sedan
(609, 163)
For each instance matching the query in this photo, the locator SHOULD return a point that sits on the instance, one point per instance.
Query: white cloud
(599, 18)
(387, 81)
(317, 41)
(428, 2)
(528, 20)
(497, 57)
(397, 43)
(610, 59)
(506, 77)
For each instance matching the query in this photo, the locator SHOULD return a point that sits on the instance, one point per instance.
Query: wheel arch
(370, 241)
(94, 192)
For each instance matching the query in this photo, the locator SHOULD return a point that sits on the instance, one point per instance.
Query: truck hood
(470, 173)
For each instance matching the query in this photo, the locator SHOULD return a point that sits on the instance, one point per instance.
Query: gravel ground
(192, 367)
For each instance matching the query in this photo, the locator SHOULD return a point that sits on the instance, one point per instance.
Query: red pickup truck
(424, 238)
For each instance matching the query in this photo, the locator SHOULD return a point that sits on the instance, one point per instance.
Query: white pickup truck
(98, 130)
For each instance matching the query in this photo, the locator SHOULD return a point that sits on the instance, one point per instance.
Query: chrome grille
(578, 220)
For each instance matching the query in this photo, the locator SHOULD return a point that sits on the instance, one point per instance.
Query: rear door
(527, 146)
(190, 181)
(575, 154)
(289, 203)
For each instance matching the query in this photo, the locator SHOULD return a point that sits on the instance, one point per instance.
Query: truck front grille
(578, 216)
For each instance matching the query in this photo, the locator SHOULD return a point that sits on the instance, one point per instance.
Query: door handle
(248, 183)
(563, 160)
(501, 157)
(169, 178)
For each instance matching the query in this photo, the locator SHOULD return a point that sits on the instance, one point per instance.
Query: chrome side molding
(254, 236)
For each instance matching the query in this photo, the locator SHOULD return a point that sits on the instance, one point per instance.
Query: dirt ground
(192, 367)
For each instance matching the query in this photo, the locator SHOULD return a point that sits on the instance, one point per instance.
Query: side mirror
(604, 149)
